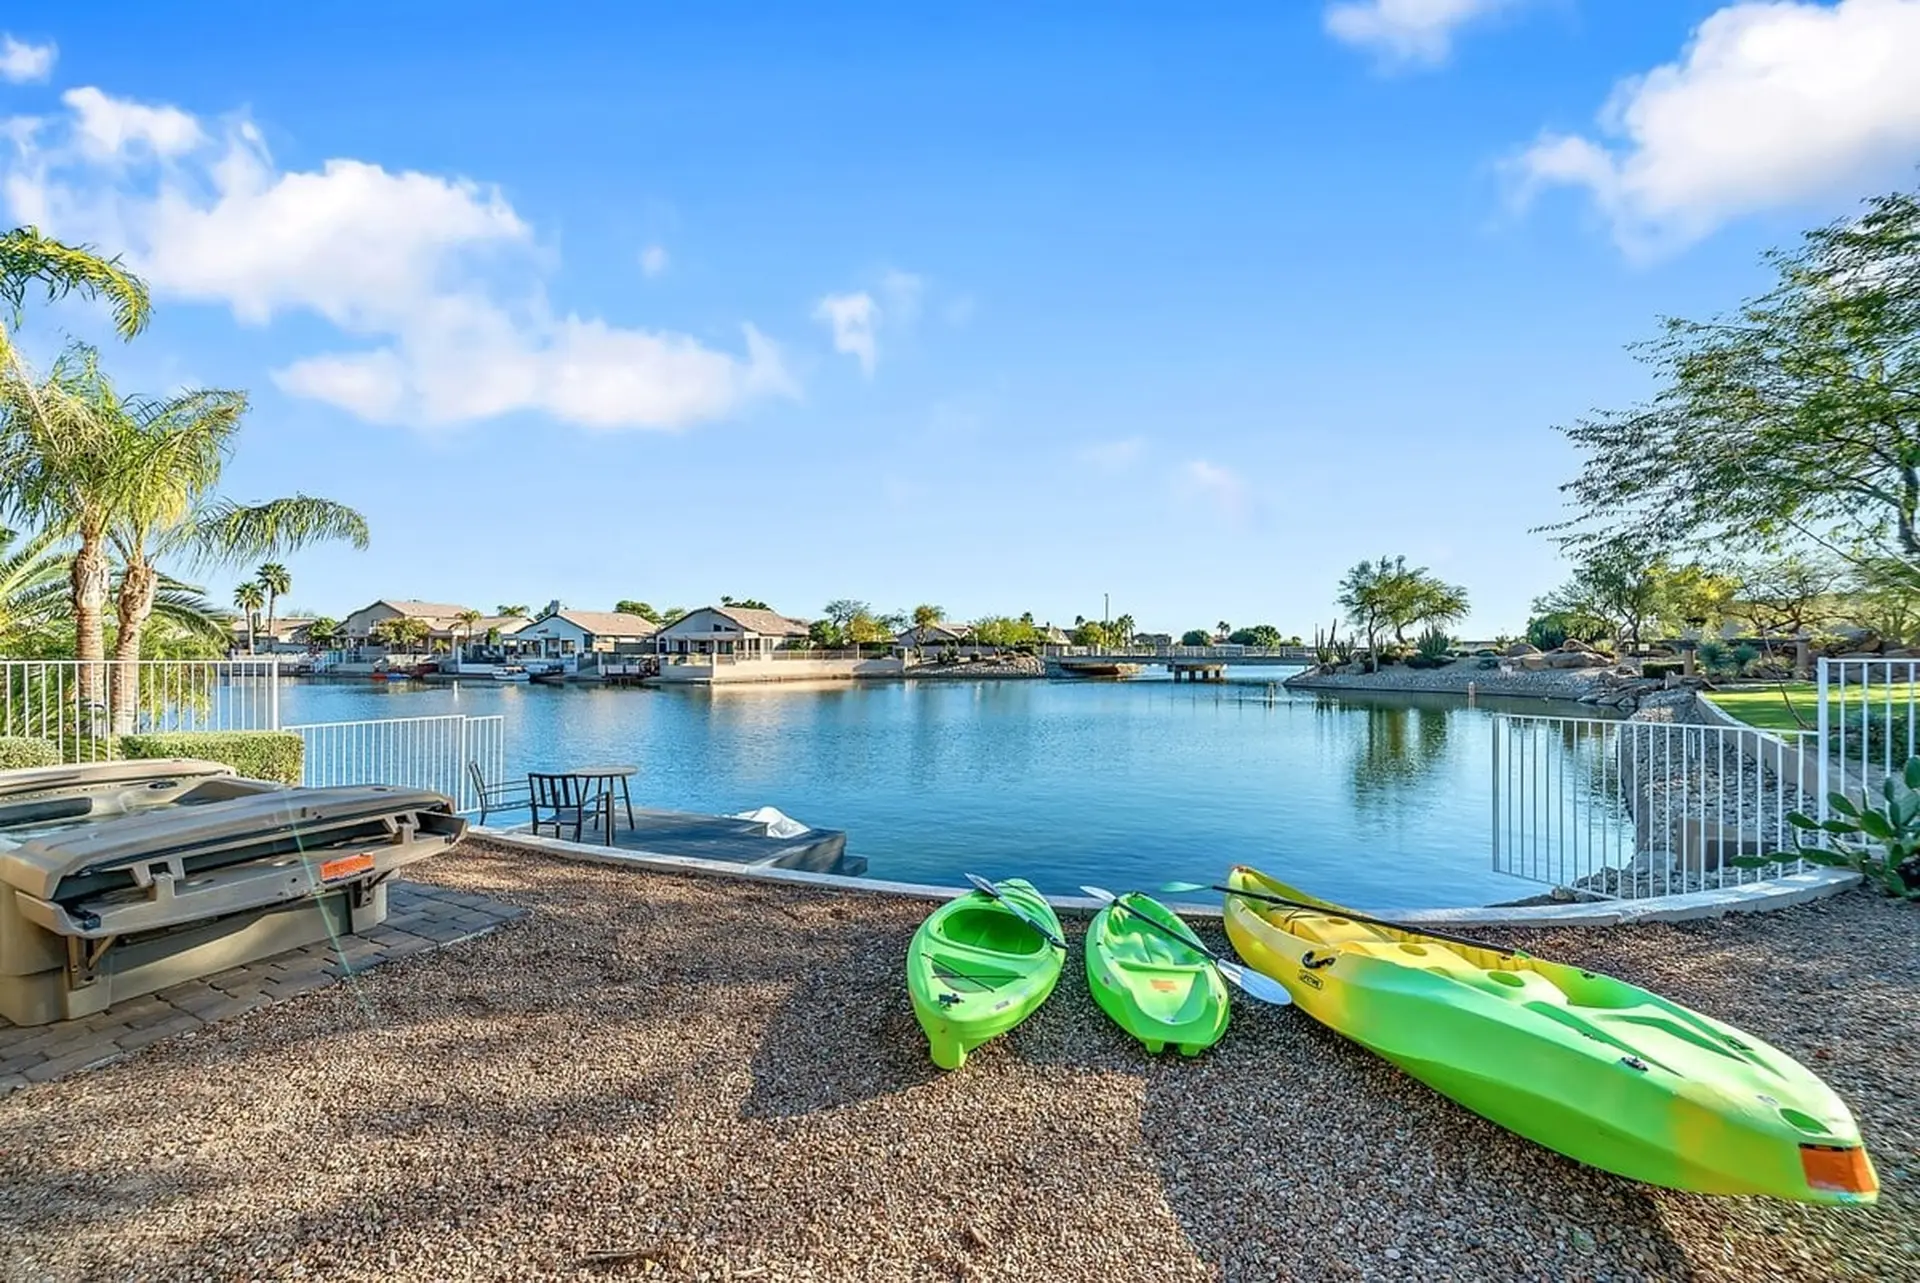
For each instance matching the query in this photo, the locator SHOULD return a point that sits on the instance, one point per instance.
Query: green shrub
(1433, 644)
(1881, 843)
(259, 755)
(1196, 637)
(18, 752)
(1547, 633)
(1743, 656)
(1713, 656)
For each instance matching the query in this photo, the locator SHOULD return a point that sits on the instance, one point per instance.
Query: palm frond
(28, 258)
(226, 532)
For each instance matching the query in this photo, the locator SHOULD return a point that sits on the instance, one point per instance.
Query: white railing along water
(1636, 808)
(410, 752)
(1868, 720)
(79, 706)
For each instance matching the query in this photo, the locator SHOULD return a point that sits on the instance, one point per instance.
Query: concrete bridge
(1194, 663)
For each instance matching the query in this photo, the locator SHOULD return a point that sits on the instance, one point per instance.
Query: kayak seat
(992, 930)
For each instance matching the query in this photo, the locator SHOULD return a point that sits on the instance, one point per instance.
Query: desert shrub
(19, 752)
(1433, 644)
(1880, 842)
(1714, 657)
(259, 755)
(1743, 656)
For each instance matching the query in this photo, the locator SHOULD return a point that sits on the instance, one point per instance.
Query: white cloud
(1402, 32)
(1216, 487)
(1771, 104)
(853, 318)
(1112, 456)
(437, 275)
(21, 63)
(653, 260)
(107, 128)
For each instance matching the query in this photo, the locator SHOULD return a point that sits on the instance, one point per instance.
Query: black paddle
(1046, 933)
(1266, 898)
(1252, 983)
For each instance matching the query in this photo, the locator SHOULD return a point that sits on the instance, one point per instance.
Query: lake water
(1375, 800)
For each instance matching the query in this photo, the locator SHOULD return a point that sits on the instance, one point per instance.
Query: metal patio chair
(563, 800)
(507, 795)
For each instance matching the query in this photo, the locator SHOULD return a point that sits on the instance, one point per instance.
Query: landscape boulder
(1521, 649)
(1576, 659)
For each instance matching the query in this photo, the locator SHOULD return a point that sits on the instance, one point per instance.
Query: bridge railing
(1225, 652)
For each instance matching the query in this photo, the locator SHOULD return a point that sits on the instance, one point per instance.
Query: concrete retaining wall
(1798, 888)
(779, 670)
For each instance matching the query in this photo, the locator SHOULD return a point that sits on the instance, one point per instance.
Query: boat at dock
(511, 673)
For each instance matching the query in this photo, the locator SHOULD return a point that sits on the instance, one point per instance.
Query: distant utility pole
(1106, 604)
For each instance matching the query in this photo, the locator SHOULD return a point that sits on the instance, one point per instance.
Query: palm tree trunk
(89, 578)
(138, 583)
(270, 596)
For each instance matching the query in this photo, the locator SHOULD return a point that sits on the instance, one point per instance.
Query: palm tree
(59, 474)
(1223, 630)
(249, 597)
(274, 581)
(141, 473)
(1122, 633)
(465, 620)
(511, 612)
(33, 589)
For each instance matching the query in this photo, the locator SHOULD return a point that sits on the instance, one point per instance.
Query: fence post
(1823, 729)
(1499, 722)
(273, 693)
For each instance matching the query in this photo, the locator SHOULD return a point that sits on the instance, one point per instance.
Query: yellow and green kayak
(1595, 1068)
(1162, 992)
(975, 970)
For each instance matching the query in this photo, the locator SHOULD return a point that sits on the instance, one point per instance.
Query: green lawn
(1774, 707)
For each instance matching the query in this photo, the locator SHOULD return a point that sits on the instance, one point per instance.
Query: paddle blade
(1261, 988)
(1101, 894)
(1178, 887)
(981, 884)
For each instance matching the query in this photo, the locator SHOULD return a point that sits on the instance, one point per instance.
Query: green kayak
(974, 970)
(1158, 990)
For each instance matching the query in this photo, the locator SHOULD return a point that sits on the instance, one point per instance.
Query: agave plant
(1879, 842)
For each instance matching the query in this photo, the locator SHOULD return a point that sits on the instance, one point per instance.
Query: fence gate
(411, 752)
(1644, 808)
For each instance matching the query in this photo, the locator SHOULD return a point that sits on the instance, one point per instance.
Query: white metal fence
(412, 752)
(1867, 720)
(1644, 808)
(80, 706)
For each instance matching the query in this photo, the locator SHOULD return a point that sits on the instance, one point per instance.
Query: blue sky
(1001, 310)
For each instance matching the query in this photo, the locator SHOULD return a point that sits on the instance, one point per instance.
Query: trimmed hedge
(18, 752)
(259, 755)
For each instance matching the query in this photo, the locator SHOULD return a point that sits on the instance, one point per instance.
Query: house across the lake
(738, 631)
(442, 620)
(288, 635)
(935, 635)
(564, 633)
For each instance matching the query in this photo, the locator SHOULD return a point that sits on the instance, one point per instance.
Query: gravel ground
(656, 1077)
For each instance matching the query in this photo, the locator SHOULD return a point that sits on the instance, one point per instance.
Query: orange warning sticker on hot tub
(345, 867)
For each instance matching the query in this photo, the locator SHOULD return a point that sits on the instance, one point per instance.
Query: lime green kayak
(974, 970)
(1598, 1069)
(1162, 992)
